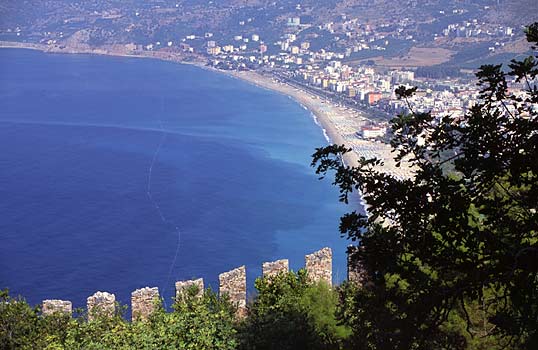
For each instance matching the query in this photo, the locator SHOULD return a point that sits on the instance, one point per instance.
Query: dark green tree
(289, 312)
(17, 322)
(460, 238)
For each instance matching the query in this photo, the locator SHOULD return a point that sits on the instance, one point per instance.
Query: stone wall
(319, 265)
(271, 269)
(183, 286)
(101, 303)
(356, 273)
(234, 284)
(57, 306)
(143, 302)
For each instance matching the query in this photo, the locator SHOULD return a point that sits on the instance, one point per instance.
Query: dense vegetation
(439, 71)
(450, 256)
(288, 313)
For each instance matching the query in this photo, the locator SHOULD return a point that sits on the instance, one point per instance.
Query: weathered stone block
(57, 306)
(271, 269)
(183, 286)
(143, 302)
(319, 265)
(101, 303)
(356, 273)
(234, 284)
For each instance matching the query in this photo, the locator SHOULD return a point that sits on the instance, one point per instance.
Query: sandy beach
(339, 124)
(321, 109)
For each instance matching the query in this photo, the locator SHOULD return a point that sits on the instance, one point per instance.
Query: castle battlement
(232, 283)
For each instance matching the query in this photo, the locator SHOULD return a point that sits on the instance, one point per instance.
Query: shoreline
(112, 51)
(319, 108)
(339, 124)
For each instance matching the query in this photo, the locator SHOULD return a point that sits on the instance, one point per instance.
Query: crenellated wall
(57, 306)
(183, 286)
(273, 268)
(101, 304)
(232, 283)
(319, 266)
(143, 302)
(356, 273)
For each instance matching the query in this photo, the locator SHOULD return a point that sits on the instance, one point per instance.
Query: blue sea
(121, 173)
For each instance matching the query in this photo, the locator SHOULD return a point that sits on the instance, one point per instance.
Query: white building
(371, 132)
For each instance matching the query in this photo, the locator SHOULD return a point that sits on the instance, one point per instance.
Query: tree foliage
(451, 255)
(288, 312)
(460, 238)
(291, 313)
(196, 323)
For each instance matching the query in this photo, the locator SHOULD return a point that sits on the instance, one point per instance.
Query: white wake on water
(165, 220)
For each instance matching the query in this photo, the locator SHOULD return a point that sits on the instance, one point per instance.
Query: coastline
(100, 120)
(318, 107)
(339, 124)
(114, 51)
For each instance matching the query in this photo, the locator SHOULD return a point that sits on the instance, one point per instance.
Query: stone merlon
(101, 303)
(143, 302)
(57, 306)
(271, 269)
(319, 265)
(183, 286)
(234, 284)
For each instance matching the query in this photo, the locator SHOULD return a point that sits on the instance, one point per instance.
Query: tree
(17, 322)
(290, 312)
(205, 322)
(462, 234)
(198, 322)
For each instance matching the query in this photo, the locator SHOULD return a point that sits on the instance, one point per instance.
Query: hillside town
(362, 86)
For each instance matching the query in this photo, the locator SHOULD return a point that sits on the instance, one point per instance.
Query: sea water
(120, 173)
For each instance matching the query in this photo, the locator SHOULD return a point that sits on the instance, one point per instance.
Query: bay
(119, 173)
